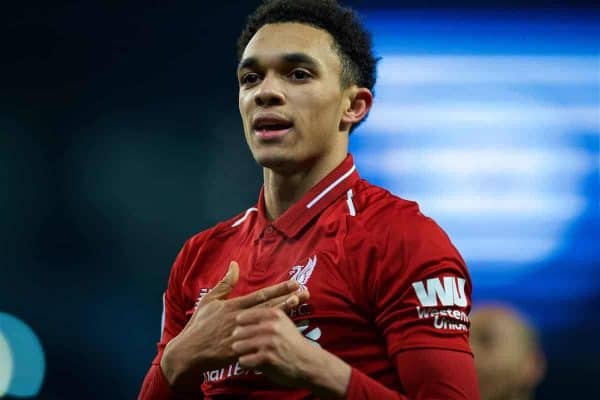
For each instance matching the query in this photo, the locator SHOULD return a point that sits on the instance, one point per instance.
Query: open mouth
(270, 128)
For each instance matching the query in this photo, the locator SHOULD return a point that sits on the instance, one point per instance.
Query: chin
(277, 161)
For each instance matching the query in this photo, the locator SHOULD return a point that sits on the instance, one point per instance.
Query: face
(501, 354)
(290, 97)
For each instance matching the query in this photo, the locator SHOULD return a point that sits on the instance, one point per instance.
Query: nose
(269, 93)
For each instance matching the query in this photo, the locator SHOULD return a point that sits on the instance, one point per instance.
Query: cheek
(322, 107)
(243, 107)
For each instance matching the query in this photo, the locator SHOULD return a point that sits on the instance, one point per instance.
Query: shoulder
(220, 231)
(378, 210)
(397, 226)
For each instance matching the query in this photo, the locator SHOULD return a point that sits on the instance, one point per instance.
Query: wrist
(168, 365)
(328, 376)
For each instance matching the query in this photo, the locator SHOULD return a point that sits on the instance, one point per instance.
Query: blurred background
(120, 138)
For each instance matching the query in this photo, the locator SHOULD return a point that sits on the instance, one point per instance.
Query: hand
(266, 339)
(205, 341)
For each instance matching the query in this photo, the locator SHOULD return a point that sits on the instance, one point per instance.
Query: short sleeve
(421, 290)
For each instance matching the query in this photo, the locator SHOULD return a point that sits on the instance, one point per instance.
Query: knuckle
(269, 327)
(268, 357)
(244, 363)
(271, 345)
(261, 296)
(273, 328)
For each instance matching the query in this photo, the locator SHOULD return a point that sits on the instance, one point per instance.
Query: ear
(358, 103)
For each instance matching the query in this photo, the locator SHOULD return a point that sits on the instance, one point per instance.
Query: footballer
(328, 287)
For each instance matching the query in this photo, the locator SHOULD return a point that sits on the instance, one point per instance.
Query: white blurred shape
(413, 70)
(511, 251)
(510, 205)
(478, 161)
(6, 365)
(398, 118)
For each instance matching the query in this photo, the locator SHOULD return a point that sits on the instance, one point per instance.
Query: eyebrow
(290, 58)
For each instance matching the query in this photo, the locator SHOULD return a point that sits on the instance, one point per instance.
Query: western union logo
(449, 291)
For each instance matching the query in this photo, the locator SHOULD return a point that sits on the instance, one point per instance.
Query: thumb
(226, 285)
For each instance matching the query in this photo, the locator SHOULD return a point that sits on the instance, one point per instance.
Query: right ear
(359, 102)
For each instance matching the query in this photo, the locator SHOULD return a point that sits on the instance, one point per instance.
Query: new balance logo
(450, 292)
(313, 335)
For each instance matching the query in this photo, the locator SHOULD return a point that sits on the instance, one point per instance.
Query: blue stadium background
(119, 138)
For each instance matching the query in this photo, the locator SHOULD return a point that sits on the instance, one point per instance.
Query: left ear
(358, 103)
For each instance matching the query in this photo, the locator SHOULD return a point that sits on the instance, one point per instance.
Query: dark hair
(352, 41)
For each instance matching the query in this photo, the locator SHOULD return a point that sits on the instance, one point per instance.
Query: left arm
(419, 284)
(268, 340)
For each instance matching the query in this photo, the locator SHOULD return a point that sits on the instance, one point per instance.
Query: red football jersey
(383, 278)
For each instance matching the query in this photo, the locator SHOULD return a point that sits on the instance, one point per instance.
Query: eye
(300, 75)
(249, 78)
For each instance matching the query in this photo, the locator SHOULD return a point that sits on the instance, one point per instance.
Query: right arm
(186, 350)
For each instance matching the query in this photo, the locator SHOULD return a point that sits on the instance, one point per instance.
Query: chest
(316, 260)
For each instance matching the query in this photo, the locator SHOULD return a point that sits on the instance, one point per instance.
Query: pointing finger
(287, 301)
(266, 294)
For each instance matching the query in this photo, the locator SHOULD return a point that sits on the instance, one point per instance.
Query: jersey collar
(290, 223)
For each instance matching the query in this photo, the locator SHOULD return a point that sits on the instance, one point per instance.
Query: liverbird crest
(301, 273)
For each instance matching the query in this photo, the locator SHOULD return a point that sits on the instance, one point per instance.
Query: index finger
(265, 294)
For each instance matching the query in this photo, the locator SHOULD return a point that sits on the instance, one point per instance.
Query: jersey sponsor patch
(446, 291)
(440, 299)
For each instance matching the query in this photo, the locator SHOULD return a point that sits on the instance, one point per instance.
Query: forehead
(275, 40)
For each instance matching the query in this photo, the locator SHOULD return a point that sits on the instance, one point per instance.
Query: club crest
(302, 273)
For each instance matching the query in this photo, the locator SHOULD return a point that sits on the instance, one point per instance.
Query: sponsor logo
(438, 296)
(450, 319)
(302, 273)
(312, 335)
(449, 292)
(202, 293)
(231, 370)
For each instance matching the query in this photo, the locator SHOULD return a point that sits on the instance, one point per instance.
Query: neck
(282, 190)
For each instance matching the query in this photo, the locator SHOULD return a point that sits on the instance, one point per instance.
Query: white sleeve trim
(330, 187)
(239, 221)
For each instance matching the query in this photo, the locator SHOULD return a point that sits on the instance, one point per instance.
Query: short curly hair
(352, 41)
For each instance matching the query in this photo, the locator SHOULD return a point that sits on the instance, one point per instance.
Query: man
(329, 287)
(508, 358)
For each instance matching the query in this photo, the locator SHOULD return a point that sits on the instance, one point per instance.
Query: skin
(507, 357)
(290, 70)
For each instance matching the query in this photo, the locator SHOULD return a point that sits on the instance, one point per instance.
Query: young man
(329, 287)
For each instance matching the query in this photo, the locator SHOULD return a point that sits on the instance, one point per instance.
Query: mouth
(271, 127)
